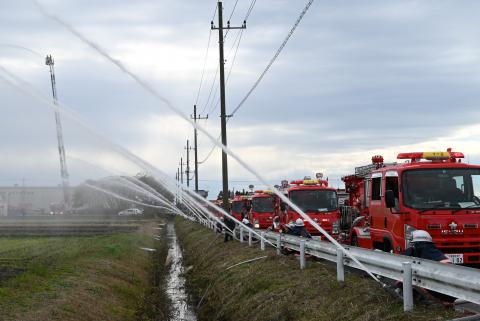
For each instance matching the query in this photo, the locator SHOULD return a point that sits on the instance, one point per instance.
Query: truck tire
(354, 240)
(387, 245)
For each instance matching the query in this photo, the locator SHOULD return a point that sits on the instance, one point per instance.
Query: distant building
(202, 193)
(27, 201)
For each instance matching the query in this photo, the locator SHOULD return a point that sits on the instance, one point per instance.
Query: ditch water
(176, 291)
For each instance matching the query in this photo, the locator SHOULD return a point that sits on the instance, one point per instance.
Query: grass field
(276, 289)
(103, 277)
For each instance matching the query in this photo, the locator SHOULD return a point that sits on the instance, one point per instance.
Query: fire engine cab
(264, 205)
(431, 191)
(317, 200)
(240, 205)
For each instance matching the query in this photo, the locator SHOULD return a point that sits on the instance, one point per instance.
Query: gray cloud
(355, 76)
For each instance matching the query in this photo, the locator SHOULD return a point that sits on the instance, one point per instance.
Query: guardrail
(454, 280)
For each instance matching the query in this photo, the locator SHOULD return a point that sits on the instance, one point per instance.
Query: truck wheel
(354, 241)
(387, 246)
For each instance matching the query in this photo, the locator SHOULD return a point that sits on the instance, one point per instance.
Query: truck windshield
(315, 200)
(442, 188)
(238, 206)
(262, 204)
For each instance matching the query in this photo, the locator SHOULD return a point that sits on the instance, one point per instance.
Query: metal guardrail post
(340, 267)
(241, 234)
(407, 287)
(302, 254)
(262, 241)
(279, 244)
(249, 237)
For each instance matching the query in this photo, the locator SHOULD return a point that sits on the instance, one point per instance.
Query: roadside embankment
(276, 289)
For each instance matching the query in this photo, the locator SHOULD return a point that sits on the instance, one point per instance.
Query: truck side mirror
(389, 199)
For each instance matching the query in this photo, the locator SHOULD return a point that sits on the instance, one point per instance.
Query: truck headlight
(256, 224)
(407, 234)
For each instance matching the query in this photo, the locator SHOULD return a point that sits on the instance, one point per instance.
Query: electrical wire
(233, 10)
(210, 152)
(277, 53)
(211, 90)
(228, 77)
(175, 109)
(204, 66)
(230, 18)
(205, 61)
(236, 44)
(252, 4)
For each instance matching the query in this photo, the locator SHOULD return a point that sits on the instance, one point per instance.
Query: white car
(131, 211)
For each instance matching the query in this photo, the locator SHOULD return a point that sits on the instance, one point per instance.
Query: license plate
(455, 258)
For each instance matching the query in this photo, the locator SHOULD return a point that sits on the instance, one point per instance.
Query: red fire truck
(240, 205)
(317, 200)
(264, 205)
(214, 211)
(431, 191)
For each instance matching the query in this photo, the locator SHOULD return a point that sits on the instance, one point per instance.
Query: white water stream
(181, 309)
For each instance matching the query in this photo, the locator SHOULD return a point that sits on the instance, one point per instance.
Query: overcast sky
(357, 78)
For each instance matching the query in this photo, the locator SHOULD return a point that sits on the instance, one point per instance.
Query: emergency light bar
(310, 182)
(433, 156)
(267, 191)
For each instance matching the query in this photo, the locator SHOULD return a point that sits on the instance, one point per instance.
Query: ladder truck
(431, 191)
(61, 147)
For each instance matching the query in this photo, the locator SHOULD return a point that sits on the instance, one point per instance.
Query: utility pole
(61, 148)
(195, 148)
(178, 187)
(181, 170)
(187, 171)
(223, 116)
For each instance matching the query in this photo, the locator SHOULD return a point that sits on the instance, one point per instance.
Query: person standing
(230, 224)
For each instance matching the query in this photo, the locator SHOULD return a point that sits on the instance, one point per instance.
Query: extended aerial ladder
(61, 148)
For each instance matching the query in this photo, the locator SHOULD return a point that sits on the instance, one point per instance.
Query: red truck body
(317, 200)
(439, 195)
(239, 207)
(264, 206)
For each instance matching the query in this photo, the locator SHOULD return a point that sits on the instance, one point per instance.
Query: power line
(204, 67)
(236, 42)
(230, 18)
(277, 53)
(252, 4)
(228, 77)
(216, 73)
(205, 60)
(211, 90)
(210, 152)
(233, 10)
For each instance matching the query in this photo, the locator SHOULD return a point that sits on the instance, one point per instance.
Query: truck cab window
(476, 186)
(376, 185)
(391, 183)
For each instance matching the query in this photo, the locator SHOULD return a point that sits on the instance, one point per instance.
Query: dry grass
(276, 289)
